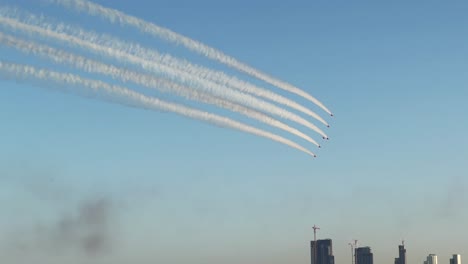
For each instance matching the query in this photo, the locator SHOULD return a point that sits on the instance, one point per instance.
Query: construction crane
(315, 242)
(352, 252)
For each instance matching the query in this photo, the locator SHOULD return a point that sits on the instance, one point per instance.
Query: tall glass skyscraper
(324, 252)
(456, 259)
(364, 255)
(431, 259)
(401, 255)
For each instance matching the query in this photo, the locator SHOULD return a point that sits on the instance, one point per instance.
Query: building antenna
(315, 242)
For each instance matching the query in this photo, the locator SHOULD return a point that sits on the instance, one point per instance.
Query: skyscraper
(364, 255)
(431, 259)
(324, 252)
(401, 255)
(456, 259)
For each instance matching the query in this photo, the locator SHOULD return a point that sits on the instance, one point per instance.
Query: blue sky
(178, 190)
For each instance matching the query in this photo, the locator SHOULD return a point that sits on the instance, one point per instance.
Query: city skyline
(364, 255)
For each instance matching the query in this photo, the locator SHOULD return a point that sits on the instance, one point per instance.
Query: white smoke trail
(55, 32)
(88, 65)
(132, 98)
(197, 70)
(183, 65)
(116, 16)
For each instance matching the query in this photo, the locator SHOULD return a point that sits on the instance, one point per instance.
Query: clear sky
(87, 181)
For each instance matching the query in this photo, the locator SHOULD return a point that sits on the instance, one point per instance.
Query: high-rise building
(401, 255)
(364, 255)
(324, 252)
(431, 259)
(456, 259)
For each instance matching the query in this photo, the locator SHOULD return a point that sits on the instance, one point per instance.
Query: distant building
(324, 252)
(431, 259)
(401, 255)
(364, 255)
(456, 259)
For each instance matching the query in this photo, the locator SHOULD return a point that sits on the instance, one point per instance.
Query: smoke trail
(135, 99)
(123, 19)
(80, 39)
(88, 230)
(141, 79)
(195, 70)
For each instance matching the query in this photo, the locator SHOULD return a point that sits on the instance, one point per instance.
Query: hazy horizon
(84, 180)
